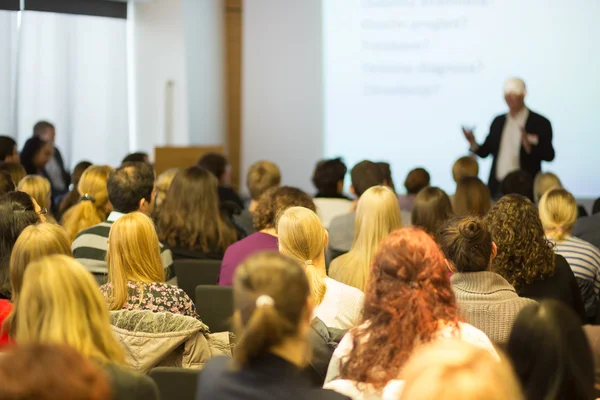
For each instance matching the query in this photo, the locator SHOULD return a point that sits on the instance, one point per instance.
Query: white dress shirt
(509, 153)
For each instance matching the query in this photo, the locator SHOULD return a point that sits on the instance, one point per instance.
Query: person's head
(463, 167)
(524, 253)
(16, 171)
(328, 177)
(416, 180)
(272, 305)
(543, 182)
(38, 188)
(387, 173)
(8, 150)
(136, 157)
(35, 154)
(408, 297)
(514, 94)
(303, 238)
(93, 204)
(78, 171)
(131, 188)
(457, 370)
(217, 165)
(551, 354)
(262, 176)
(275, 201)
(133, 255)
(190, 215)
(558, 213)
(163, 183)
(50, 372)
(60, 304)
(518, 182)
(6, 183)
(377, 215)
(17, 212)
(44, 130)
(472, 197)
(364, 175)
(467, 244)
(596, 207)
(431, 209)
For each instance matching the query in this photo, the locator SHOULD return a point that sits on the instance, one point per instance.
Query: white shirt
(55, 173)
(341, 307)
(329, 208)
(509, 154)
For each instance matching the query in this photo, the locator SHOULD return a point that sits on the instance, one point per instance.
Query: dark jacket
(65, 174)
(532, 162)
(323, 340)
(588, 229)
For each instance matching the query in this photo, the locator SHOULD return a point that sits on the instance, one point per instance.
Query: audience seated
(596, 207)
(60, 304)
(551, 354)
(136, 157)
(130, 188)
(35, 155)
(273, 304)
(217, 164)
(163, 183)
(432, 207)
(485, 299)
(455, 370)
(525, 257)
(558, 213)
(190, 221)
(408, 301)
(543, 182)
(93, 206)
(54, 169)
(262, 176)
(16, 171)
(364, 175)
(472, 197)
(466, 166)
(270, 207)
(386, 169)
(328, 177)
(73, 196)
(518, 182)
(135, 272)
(303, 238)
(416, 180)
(6, 183)
(38, 188)
(9, 153)
(588, 228)
(50, 372)
(377, 215)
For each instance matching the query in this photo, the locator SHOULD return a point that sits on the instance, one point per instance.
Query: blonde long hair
(38, 188)
(92, 207)
(302, 237)
(133, 255)
(377, 215)
(60, 304)
(558, 212)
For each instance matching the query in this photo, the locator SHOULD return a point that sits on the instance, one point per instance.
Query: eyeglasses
(43, 211)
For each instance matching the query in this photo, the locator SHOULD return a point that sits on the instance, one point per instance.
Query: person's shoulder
(215, 368)
(345, 290)
(342, 221)
(538, 117)
(128, 384)
(476, 337)
(101, 229)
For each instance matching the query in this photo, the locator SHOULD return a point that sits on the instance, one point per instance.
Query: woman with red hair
(409, 301)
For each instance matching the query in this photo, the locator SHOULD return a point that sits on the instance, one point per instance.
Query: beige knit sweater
(488, 302)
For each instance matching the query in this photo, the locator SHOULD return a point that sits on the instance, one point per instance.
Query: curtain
(8, 72)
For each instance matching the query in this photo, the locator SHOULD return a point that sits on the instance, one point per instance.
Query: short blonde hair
(558, 212)
(377, 215)
(163, 183)
(38, 188)
(463, 167)
(543, 182)
(454, 369)
(262, 175)
(133, 255)
(60, 304)
(302, 237)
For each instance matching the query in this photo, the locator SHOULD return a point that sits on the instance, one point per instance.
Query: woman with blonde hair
(136, 277)
(377, 215)
(543, 182)
(60, 304)
(472, 197)
(558, 212)
(303, 238)
(93, 205)
(163, 183)
(38, 188)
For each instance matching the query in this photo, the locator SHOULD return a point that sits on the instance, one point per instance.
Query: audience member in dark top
(593, 335)
(50, 372)
(35, 155)
(6, 183)
(386, 169)
(596, 207)
(136, 157)
(16, 171)
(328, 177)
(525, 257)
(8, 150)
(73, 196)
(518, 182)
(190, 221)
(271, 205)
(217, 164)
(261, 176)
(54, 169)
(416, 180)
(588, 228)
(551, 354)
(273, 311)
(432, 207)
(472, 197)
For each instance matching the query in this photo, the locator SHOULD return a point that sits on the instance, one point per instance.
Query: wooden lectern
(180, 157)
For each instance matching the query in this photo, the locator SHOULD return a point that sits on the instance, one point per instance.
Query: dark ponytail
(467, 243)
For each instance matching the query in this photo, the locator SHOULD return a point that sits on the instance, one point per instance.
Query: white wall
(282, 87)
(8, 57)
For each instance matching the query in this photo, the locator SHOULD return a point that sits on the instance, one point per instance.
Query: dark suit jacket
(65, 174)
(532, 162)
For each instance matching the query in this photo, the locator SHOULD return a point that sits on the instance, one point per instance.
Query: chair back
(175, 383)
(191, 273)
(214, 305)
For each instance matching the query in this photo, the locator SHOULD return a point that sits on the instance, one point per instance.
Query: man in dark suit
(55, 169)
(520, 139)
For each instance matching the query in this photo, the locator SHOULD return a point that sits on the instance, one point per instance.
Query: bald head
(514, 94)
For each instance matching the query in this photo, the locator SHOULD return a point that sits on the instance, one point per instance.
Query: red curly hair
(408, 296)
